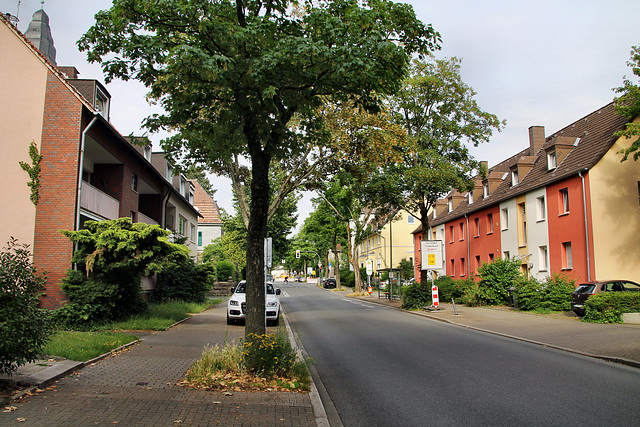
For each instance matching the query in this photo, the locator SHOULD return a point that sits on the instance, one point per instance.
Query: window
(564, 201)
(522, 219)
(183, 187)
(182, 225)
(543, 254)
(490, 257)
(462, 269)
(477, 263)
(453, 267)
(102, 103)
(451, 234)
(147, 152)
(567, 256)
(411, 219)
(504, 218)
(199, 238)
(476, 227)
(506, 255)
(490, 223)
(168, 173)
(551, 160)
(515, 178)
(470, 197)
(485, 190)
(541, 209)
(134, 182)
(193, 233)
(450, 204)
(132, 215)
(461, 226)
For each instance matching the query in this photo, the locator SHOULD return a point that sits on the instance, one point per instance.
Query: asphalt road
(384, 367)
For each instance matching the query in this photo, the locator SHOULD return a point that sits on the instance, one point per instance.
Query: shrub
(224, 270)
(495, 280)
(449, 288)
(415, 297)
(94, 301)
(24, 327)
(269, 354)
(184, 281)
(114, 255)
(554, 294)
(607, 307)
(347, 278)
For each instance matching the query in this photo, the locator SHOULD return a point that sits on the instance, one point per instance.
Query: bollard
(455, 311)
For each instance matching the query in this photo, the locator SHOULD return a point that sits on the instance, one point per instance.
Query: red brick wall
(61, 134)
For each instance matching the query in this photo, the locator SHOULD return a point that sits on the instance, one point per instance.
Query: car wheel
(277, 321)
(230, 321)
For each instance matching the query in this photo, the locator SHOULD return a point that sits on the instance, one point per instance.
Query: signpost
(432, 259)
(369, 265)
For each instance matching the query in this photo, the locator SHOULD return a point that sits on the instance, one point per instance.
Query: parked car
(329, 283)
(237, 306)
(585, 290)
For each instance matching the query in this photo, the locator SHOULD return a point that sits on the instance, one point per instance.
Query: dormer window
(169, 172)
(485, 190)
(102, 103)
(470, 197)
(552, 161)
(450, 204)
(515, 177)
(147, 152)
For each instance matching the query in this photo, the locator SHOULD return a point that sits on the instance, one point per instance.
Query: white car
(237, 306)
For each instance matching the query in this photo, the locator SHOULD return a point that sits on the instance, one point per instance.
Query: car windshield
(585, 289)
(242, 288)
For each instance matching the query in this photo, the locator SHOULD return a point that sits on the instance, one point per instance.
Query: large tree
(441, 118)
(628, 105)
(233, 76)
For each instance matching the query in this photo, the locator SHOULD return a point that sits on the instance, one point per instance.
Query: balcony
(143, 218)
(99, 202)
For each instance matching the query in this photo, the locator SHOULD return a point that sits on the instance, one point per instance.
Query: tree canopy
(628, 105)
(441, 118)
(234, 77)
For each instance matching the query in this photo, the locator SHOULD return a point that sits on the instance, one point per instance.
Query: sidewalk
(614, 342)
(138, 388)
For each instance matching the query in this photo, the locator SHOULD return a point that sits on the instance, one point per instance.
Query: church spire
(39, 33)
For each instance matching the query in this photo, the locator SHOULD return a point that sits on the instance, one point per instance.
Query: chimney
(536, 139)
(69, 72)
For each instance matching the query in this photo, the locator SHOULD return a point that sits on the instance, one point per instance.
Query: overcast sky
(543, 62)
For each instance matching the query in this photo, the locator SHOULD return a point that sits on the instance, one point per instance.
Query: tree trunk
(256, 233)
(424, 221)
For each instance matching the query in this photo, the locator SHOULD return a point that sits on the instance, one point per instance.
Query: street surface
(384, 367)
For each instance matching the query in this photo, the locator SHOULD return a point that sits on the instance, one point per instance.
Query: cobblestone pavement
(138, 388)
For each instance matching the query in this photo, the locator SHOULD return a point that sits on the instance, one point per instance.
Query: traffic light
(297, 253)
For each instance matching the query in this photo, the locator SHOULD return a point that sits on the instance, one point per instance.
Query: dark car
(329, 283)
(585, 290)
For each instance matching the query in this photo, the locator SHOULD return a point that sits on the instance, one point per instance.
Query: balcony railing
(143, 218)
(99, 202)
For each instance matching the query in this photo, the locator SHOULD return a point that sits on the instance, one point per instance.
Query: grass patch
(83, 346)
(225, 367)
(161, 316)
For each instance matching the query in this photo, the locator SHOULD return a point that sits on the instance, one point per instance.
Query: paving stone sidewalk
(138, 388)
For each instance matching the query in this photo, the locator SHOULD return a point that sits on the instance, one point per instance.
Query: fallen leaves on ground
(229, 382)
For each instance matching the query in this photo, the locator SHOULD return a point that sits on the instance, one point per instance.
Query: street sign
(370, 290)
(268, 252)
(431, 251)
(434, 296)
(369, 267)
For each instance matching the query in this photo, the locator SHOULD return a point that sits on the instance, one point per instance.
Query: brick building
(565, 204)
(88, 170)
